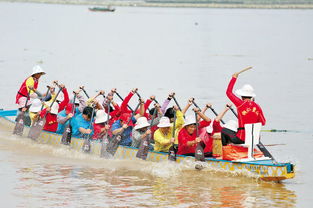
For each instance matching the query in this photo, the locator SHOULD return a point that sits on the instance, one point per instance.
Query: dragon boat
(266, 169)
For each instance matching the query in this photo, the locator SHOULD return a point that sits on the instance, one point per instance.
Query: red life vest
(22, 92)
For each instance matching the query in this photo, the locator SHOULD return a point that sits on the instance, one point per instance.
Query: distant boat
(102, 9)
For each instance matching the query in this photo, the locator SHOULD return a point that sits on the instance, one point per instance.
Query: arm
(262, 117)
(65, 101)
(126, 100)
(117, 128)
(165, 103)
(64, 119)
(148, 102)
(82, 103)
(229, 92)
(187, 106)
(220, 116)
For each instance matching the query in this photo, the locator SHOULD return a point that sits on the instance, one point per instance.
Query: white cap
(101, 116)
(246, 91)
(141, 123)
(164, 122)
(36, 106)
(232, 125)
(54, 108)
(189, 120)
(37, 69)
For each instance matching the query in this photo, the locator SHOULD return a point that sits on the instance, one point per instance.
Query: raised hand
(134, 90)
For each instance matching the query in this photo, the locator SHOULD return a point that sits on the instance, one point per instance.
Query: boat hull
(265, 170)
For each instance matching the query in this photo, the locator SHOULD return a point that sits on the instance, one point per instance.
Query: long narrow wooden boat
(263, 169)
(101, 9)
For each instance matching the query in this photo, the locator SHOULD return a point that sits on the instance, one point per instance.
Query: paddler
(121, 126)
(248, 111)
(141, 130)
(163, 136)
(28, 88)
(187, 136)
(51, 113)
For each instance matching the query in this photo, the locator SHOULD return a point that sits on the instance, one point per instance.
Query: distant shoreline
(169, 4)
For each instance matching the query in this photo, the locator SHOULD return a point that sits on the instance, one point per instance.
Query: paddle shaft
(67, 134)
(212, 109)
(144, 145)
(83, 89)
(174, 124)
(140, 98)
(176, 103)
(118, 95)
(245, 69)
(195, 104)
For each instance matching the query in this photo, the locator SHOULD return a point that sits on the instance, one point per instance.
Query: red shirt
(97, 131)
(217, 128)
(248, 111)
(184, 137)
(51, 121)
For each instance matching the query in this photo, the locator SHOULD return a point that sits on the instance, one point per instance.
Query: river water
(190, 51)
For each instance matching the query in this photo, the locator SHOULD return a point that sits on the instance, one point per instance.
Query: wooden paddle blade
(86, 146)
(143, 150)
(104, 148)
(172, 153)
(67, 135)
(199, 153)
(27, 120)
(19, 126)
(113, 145)
(36, 128)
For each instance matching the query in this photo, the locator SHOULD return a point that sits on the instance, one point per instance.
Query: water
(190, 51)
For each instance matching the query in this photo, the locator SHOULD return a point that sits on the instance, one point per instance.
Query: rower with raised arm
(124, 125)
(163, 137)
(248, 111)
(187, 137)
(141, 130)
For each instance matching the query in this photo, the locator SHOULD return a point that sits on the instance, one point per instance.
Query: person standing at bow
(248, 111)
(28, 87)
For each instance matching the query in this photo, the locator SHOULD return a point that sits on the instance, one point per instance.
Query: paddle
(19, 125)
(105, 141)
(67, 134)
(173, 149)
(83, 89)
(199, 152)
(142, 153)
(212, 109)
(36, 128)
(260, 145)
(140, 97)
(86, 146)
(176, 101)
(118, 95)
(113, 145)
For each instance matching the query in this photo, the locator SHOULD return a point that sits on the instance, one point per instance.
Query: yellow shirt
(32, 116)
(30, 82)
(162, 141)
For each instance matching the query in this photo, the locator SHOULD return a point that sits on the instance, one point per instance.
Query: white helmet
(246, 91)
(37, 69)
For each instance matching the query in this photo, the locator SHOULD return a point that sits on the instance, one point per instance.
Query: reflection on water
(55, 185)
